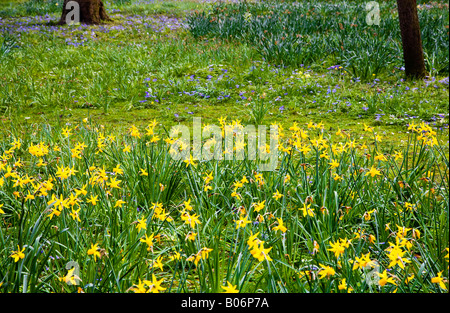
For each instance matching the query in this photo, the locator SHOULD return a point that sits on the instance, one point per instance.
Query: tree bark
(91, 12)
(411, 40)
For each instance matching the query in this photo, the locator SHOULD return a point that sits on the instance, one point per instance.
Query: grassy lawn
(105, 71)
(83, 107)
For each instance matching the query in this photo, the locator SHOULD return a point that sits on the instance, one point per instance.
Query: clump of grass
(295, 33)
(8, 43)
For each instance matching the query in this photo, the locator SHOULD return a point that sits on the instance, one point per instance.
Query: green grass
(297, 33)
(107, 82)
(108, 73)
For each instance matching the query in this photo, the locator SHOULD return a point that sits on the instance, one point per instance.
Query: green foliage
(294, 33)
(406, 198)
(106, 84)
(8, 42)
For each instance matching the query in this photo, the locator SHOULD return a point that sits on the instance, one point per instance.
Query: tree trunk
(91, 12)
(411, 40)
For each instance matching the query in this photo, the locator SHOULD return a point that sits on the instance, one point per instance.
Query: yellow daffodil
(439, 280)
(280, 226)
(154, 285)
(277, 195)
(326, 271)
(95, 251)
(18, 255)
(242, 222)
(119, 203)
(229, 288)
(259, 205)
(373, 172)
(334, 164)
(384, 279)
(141, 224)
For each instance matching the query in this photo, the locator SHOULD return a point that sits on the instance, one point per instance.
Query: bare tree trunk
(411, 40)
(91, 12)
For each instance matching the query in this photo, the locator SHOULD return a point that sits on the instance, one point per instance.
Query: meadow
(93, 200)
